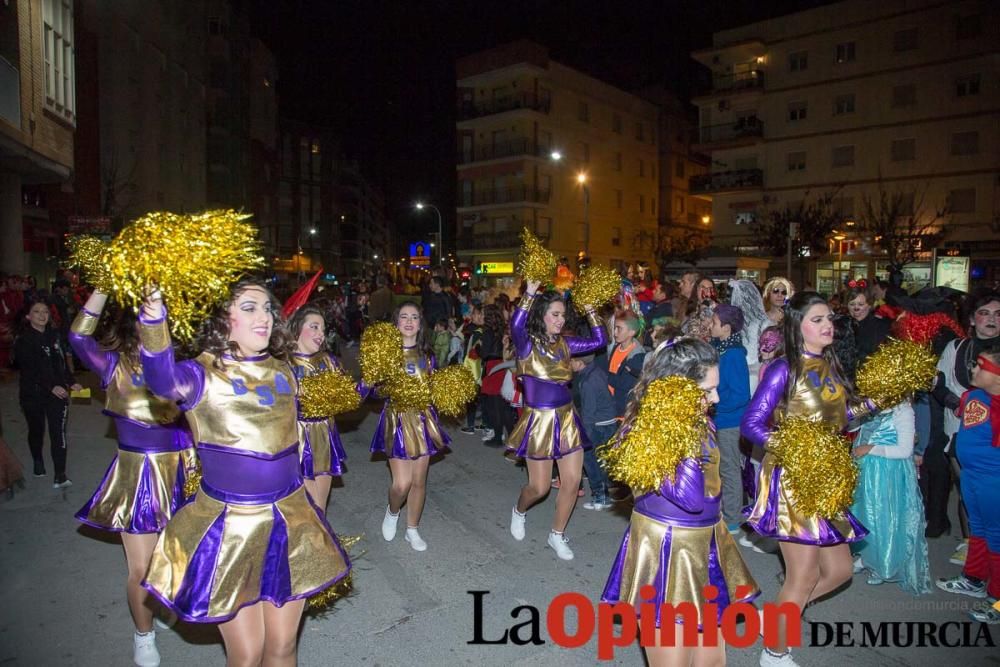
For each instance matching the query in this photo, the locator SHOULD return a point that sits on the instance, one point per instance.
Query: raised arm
(756, 424)
(519, 326)
(81, 339)
(182, 382)
(598, 336)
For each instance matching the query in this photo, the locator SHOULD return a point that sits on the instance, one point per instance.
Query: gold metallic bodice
(549, 363)
(710, 469)
(128, 397)
(416, 362)
(311, 365)
(247, 405)
(819, 395)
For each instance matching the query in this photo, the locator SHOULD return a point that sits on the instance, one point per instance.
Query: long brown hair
(213, 334)
(298, 320)
(795, 312)
(117, 331)
(423, 340)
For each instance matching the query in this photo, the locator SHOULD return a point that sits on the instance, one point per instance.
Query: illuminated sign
(495, 267)
(952, 272)
(420, 253)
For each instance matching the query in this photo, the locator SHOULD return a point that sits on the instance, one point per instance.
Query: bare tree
(817, 219)
(682, 244)
(118, 187)
(902, 223)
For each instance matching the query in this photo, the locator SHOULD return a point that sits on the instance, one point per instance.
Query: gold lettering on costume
(818, 394)
(127, 396)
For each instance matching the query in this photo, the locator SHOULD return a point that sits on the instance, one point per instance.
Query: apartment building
(543, 146)
(850, 99)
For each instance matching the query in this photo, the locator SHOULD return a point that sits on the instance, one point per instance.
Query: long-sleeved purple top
(683, 502)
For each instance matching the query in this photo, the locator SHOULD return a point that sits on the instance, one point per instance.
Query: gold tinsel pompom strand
(536, 262)
(670, 426)
(596, 286)
(89, 255)
(896, 370)
(408, 392)
(452, 388)
(321, 603)
(328, 393)
(192, 481)
(380, 353)
(819, 472)
(193, 259)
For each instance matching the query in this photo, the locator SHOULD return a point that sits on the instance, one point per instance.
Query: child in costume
(320, 450)
(251, 546)
(548, 429)
(677, 541)
(888, 502)
(807, 382)
(144, 485)
(409, 437)
(978, 444)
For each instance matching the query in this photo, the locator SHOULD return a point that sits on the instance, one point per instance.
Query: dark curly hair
(213, 334)
(493, 320)
(536, 322)
(844, 345)
(298, 320)
(795, 312)
(423, 340)
(117, 331)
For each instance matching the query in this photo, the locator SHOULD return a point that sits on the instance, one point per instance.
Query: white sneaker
(745, 541)
(560, 544)
(768, 659)
(413, 537)
(488, 434)
(389, 524)
(144, 652)
(165, 620)
(858, 566)
(517, 524)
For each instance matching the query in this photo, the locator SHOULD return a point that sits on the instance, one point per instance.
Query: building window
(616, 236)
(796, 161)
(640, 132)
(968, 27)
(642, 203)
(904, 96)
(798, 61)
(619, 198)
(679, 168)
(904, 40)
(797, 111)
(965, 143)
(962, 201)
(967, 85)
(904, 149)
(583, 112)
(642, 168)
(678, 205)
(60, 66)
(843, 156)
(616, 123)
(652, 205)
(845, 52)
(618, 161)
(745, 217)
(843, 104)
(544, 228)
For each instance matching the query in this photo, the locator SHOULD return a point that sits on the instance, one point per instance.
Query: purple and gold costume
(251, 534)
(144, 485)
(320, 450)
(549, 427)
(410, 434)
(818, 395)
(678, 543)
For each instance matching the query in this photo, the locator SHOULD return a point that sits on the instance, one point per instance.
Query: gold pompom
(819, 471)
(380, 353)
(193, 259)
(328, 393)
(536, 262)
(670, 426)
(452, 388)
(896, 370)
(321, 603)
(407, 392)
(89, 255)
(596, 286)
(192, 481)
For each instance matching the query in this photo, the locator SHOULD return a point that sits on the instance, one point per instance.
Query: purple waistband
(249, 498)
(146, 438)
(664, 511)
(544, 394)
(236, 473)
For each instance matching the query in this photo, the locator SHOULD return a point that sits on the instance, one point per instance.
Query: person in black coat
(45, 384)
(869, 329)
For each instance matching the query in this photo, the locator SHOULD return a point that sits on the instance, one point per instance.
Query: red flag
(300, 297)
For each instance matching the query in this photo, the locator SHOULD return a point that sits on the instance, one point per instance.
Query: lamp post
(421, 206)
(312, 233)
(581, 178)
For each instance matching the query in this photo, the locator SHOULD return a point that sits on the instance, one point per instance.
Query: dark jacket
(491, 346)
(869, 334)
(734, 388)
(437, 306)
(593, 400)
(380, 305)
(41, 360)
(627, 376)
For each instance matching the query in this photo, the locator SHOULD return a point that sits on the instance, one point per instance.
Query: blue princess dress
(887, 501)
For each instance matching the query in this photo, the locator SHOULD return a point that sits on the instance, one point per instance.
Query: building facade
(543, 146)
(848, 101)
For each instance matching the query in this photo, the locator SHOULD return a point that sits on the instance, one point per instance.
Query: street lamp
(421, 206)
(581, 178)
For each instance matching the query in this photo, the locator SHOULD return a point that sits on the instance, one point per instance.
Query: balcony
(736, 82)
(513, 148)
(468, 111)
(736, 132)
(726, 181)
(491, 241)
(513, 195)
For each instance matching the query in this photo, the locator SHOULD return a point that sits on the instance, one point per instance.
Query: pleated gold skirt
(547, 433)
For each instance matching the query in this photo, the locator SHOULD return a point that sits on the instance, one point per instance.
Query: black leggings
(498, 414)
(54, 410)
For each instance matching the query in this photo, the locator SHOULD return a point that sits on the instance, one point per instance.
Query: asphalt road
(63, 597)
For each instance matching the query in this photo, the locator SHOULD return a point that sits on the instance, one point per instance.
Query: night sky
(382, 73)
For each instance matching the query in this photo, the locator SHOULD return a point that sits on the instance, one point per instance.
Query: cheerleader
(144, 485)
(409, 438)
(549, 428)
(807, 382)
(251, 546)
(676, 540)
(321, 452)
